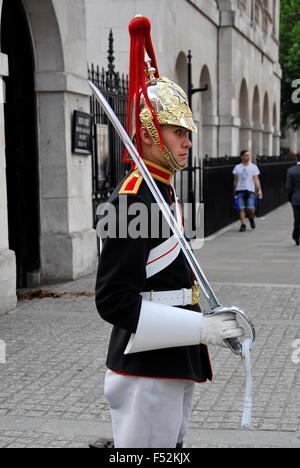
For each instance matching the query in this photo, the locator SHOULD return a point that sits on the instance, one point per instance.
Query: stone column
(256, 139)
(276, 143)
(68, 240)
(209, 136)
(229, 123)
(267, 140)
(8, 299)
(229, 131)
(246, 135)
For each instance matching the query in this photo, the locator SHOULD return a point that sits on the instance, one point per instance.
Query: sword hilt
(234, 344)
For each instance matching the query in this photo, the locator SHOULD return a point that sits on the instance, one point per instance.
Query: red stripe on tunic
(163, 254)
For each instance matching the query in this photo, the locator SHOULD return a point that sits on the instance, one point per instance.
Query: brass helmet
(161, 101)
(170, 104)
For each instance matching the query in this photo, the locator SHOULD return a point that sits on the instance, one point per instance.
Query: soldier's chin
(182, 162)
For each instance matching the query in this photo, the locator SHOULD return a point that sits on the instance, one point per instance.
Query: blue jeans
(246, 200)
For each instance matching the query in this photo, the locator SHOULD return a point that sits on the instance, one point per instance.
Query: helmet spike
(150, 70)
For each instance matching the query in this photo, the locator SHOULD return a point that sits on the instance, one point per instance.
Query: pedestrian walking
(247, 187)
(145, 287)
(293, 189)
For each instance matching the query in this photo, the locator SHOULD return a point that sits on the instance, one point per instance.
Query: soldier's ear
(145, 136)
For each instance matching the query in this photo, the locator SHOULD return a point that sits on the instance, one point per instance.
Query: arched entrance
(181, 71)
(21, 143)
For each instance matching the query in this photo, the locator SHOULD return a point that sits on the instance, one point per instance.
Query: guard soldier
(145, 287)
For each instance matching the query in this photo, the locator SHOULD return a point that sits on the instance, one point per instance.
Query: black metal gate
(107, 166)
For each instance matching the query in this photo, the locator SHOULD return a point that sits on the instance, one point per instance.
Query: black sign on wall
(82, 133)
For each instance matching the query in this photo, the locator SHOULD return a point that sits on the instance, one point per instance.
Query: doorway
(21, 143)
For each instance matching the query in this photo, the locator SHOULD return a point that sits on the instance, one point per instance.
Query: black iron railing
(218, 188)
(212, 184)
(273, 179)
(107, 166)
(218, 193)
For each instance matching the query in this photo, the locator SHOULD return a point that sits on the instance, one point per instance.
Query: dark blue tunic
(122, 277)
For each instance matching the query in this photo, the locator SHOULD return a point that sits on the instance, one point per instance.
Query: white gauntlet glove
(216, 328)
(162, 326)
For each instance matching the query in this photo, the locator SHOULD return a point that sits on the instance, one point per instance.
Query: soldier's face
(178, 142)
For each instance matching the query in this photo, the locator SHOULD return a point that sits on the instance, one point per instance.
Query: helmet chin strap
(147, 122)
(169, 158)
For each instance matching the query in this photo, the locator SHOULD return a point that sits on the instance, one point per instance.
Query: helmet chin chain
(146, 119)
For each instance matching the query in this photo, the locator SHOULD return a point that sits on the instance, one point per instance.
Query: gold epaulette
(131, 184)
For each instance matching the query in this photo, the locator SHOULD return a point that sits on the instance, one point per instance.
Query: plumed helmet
(170, 104)
(152, 100)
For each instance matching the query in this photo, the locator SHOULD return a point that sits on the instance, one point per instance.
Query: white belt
(179, 297)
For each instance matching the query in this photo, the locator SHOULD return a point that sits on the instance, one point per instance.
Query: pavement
(51, 385)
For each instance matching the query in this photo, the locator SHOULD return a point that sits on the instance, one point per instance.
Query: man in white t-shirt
(247, 186)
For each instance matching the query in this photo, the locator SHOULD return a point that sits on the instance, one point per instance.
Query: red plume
(139, 30)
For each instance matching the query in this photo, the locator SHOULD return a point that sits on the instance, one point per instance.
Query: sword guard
(233, 343)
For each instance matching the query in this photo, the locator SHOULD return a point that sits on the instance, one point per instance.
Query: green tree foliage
(290, 63)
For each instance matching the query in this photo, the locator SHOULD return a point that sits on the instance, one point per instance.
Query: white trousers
(147, 412)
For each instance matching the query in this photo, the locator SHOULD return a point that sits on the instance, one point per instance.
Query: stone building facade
(46, 226)
(234, 46)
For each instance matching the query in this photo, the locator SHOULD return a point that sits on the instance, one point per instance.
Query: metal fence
(212, 185)
(218, 193)
(273, 179)
(218, 188)
(107, 166)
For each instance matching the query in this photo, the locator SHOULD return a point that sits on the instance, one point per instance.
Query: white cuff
(162, 326)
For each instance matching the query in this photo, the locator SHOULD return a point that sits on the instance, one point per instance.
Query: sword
(215, 306)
